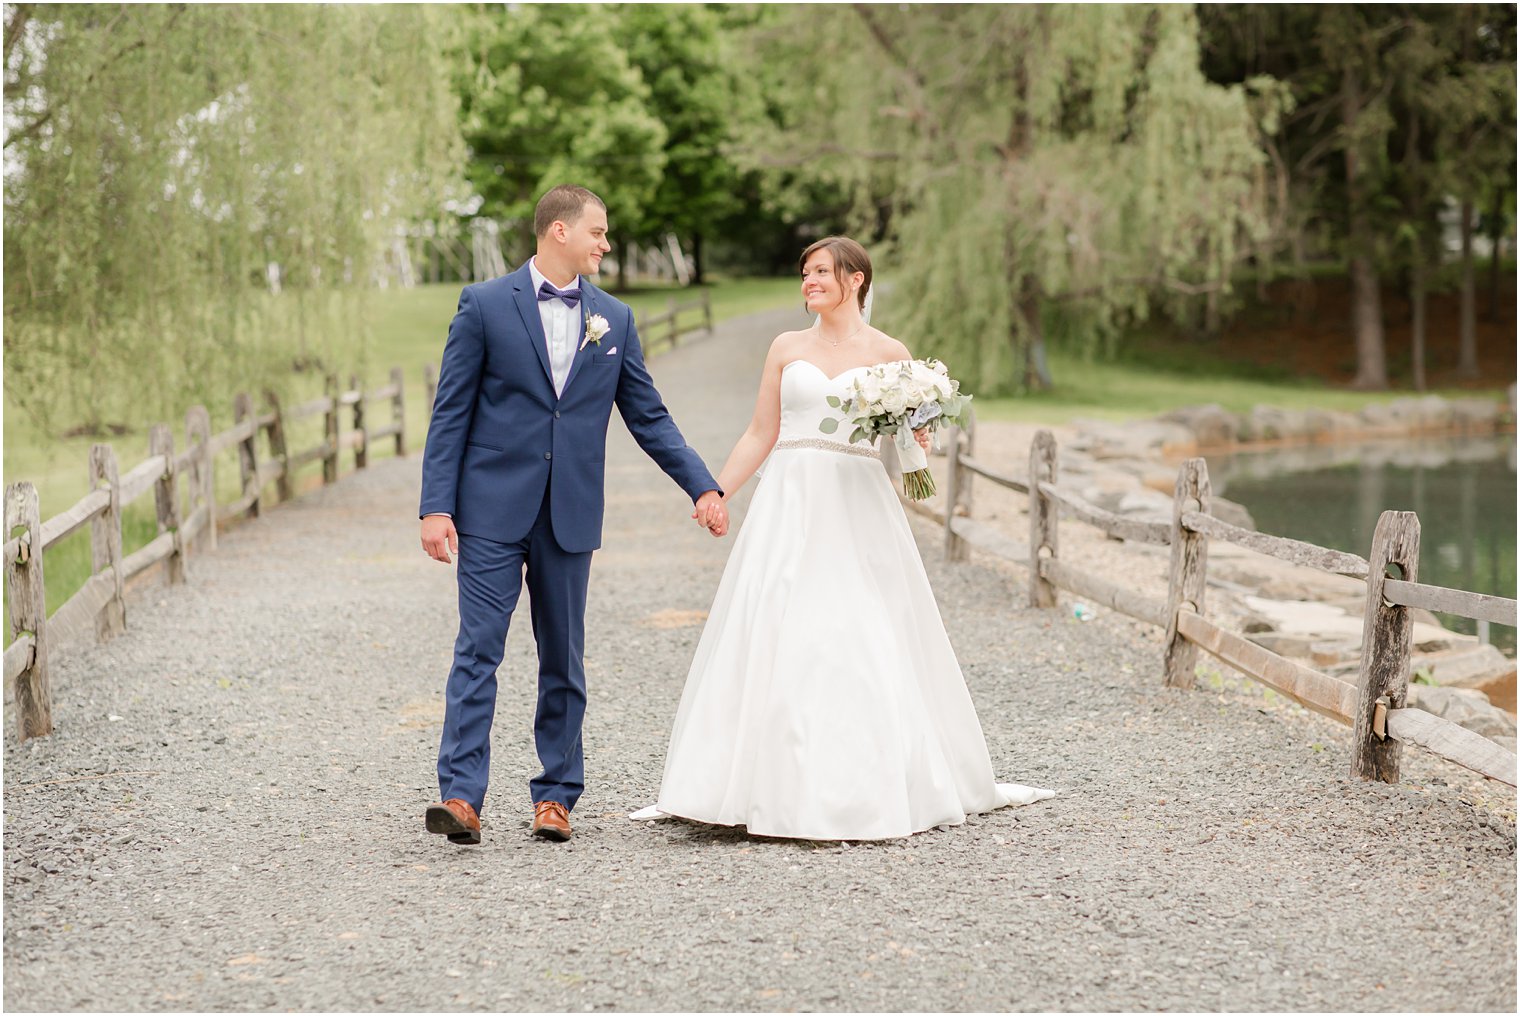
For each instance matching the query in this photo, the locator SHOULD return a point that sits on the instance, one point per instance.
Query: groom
(512, 479)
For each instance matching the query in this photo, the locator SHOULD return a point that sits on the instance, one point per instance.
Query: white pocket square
(610, 351)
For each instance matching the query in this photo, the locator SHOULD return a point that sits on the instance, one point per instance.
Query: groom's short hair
(562, 204)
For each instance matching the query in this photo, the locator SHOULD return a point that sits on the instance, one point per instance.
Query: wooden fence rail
(187, 516)
(672, 328)
(1374, 707)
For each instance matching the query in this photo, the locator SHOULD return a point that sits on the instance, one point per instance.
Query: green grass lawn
(408, 327)
(1139, 385)
(407, 330)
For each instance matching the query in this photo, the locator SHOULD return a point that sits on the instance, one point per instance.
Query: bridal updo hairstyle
(562, 204)
(849, 258)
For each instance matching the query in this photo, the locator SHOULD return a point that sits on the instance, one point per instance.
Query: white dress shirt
(562, 327)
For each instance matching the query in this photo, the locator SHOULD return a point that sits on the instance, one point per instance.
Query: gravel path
(229, 815)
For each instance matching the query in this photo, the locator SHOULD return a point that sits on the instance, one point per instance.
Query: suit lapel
(527, 305)
(584, 350)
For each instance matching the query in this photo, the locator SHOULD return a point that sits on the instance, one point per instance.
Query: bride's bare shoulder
(888, 348)
(787, 344)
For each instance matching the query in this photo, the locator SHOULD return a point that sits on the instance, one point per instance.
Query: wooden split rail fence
(669, 324)
(1374, 707)
(187, 513)
(99, 605)
(671, 330)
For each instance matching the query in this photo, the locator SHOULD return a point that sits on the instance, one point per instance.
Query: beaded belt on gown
(863, 450)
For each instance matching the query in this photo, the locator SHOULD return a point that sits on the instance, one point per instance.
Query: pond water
(1463, 489)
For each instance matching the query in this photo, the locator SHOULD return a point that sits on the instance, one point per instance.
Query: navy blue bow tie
(548, 292)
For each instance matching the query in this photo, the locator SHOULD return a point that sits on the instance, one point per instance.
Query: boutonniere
(596, 327)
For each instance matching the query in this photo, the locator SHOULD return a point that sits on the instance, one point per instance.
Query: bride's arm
(760, 436)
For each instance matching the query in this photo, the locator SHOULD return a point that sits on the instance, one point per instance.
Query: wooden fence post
(279, 448)
(967, 481)
(361, 450)
(166, 498)
(1043, 515)
(105, 541)
(398, 410)
(1185, 582)
(27, 596)
(429, 387)
(330, 458)
(202, 472)
(956, 549)
(675, 331)
(248, 455)
(1386, 632)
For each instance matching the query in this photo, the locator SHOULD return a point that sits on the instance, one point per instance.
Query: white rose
(894, 401)
(926, 376)
(870, 387)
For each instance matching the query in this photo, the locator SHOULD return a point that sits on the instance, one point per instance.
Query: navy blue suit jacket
(499, 435)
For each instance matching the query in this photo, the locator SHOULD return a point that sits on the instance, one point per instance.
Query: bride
(824, 701)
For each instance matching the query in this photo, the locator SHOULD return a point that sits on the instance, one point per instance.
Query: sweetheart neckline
(836, 377)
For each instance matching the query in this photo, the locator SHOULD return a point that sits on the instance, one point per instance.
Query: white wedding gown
(824, 701)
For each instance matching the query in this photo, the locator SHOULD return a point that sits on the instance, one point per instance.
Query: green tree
(548, 95)
(1031, 166)
(1396, 108)
(685, 54)
(160, 159)
(1474, 106)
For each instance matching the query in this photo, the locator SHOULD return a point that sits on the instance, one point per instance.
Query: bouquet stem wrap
(918, 482)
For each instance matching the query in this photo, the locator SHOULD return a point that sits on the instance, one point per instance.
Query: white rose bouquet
(898, 398)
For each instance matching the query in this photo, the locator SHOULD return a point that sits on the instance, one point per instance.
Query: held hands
(711, 513)
(439, 537)
(921, 435)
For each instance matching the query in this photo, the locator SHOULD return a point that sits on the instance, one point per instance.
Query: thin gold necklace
(832, 342)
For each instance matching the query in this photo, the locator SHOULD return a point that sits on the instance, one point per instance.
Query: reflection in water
(1463, 489)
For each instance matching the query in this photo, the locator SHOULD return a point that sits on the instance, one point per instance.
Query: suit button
(548, 455)
(556, 414)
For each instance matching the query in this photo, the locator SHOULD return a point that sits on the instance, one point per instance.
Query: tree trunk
(1467, 364)
(1495, 256)
(1366, 305)
(1301, 291)
(697, 277)
(1417, 302)
(1495, 252)
(1417, 325)
(622, 255)
(1036, 370)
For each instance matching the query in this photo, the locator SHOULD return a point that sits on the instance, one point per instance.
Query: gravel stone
(248, 835)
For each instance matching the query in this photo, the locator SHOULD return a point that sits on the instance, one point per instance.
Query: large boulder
(1430, 412)
(1481, 667)
(1476, 415)
(1142, 502)
(1470, 667)
(1379, 416)
(1463, 706)
(1229, 511)
(1212, 425)
(1142, 439)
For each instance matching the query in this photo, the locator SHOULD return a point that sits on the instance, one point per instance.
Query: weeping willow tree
(196, 197)
(1026, 166)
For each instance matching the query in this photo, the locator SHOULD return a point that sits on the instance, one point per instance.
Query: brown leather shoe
(551, 821)
(455, 819)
